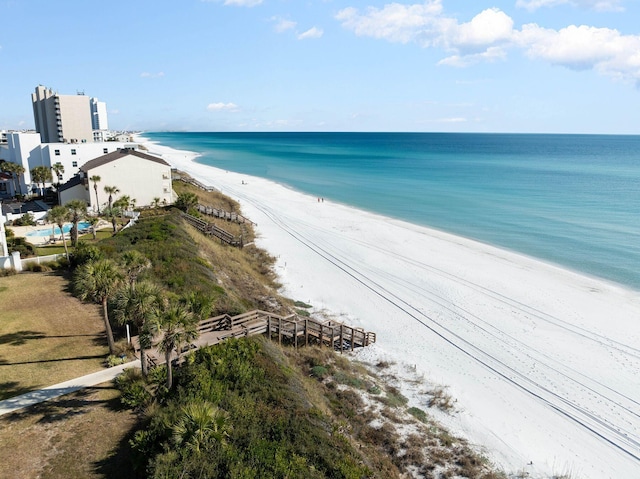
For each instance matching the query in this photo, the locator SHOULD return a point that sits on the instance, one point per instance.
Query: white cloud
(598, 5)
(489, 27)
(453, 120)
(491, 54)
(582, 47)
(151, 75)
(243, 3)
(313, 32)
(282, 24)
(396, 22)
(220, 106)
(489, 35)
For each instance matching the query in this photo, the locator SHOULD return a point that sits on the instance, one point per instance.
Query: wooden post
(306, 332)
(321, 333)
(295, 334)
(341, 338)
(333, 338)
(269, 327)
(353, 336)
(279, 330)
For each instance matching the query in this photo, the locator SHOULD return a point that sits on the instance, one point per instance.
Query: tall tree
(111, 190)
(77, 212)
(96, 179)
(177, 326)
(200, 304)
(59, 215)
(137, 303)
(99, 280)
(41, 174)
(16, 170)
(58, 169)
(93, 221)
(186, 201)
(134, 263)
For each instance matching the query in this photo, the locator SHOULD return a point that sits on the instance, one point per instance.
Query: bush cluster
(237, 413)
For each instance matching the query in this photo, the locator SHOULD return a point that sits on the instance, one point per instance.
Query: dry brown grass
(46, 335)
(74, 436)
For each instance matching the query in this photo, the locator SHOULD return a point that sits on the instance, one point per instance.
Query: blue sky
(565, 66)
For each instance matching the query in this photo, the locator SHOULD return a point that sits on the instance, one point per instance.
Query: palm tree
(16, 170)
(200, 304)
(41, 174)
(77, 212)
(111, 190)
(138, 303)
(200, 423)
(156, 201)
(134, 263)
(93, 221)
(99, 280)
(58, 169)
(59, 215)
(177, 326)
(96, 179)
(186, 201)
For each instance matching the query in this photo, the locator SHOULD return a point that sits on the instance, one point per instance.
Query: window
(74, 164)
(105, 150)
(56, 152)
(73, 151)
(59, 177)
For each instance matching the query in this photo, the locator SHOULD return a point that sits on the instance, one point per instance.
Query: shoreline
(525, 347)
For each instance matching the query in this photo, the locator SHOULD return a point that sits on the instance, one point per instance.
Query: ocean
(572, 200)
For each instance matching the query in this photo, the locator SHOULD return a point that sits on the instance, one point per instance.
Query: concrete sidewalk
(41, 395)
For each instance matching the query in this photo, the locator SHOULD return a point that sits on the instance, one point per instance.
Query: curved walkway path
(51, 392)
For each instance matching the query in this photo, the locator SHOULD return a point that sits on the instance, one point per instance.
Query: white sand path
(544, 363)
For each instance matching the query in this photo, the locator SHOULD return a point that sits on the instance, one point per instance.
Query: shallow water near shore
(573, 200)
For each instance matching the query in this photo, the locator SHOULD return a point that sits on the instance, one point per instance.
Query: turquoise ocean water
(573, 200)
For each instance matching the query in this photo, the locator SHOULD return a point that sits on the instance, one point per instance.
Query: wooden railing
(227, 215)
(213, 230)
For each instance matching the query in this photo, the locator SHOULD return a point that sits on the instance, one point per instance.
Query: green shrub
(84, 253)
(319, 372)
(419, 414)
(7, 272)
(135, 392)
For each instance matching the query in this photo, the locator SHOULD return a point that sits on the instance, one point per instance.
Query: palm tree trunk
(143, 362)
(95, 187)
(167, 358)
(107, 326)
(64, 242)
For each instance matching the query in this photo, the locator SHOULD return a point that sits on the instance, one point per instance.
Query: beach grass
(47, 335)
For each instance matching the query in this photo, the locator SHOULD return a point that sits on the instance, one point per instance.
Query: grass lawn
(80, 435)
(46, 335)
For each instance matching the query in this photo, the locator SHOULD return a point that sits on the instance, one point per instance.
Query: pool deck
(22, 231)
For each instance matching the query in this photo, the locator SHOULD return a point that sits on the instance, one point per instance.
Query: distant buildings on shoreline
(71, 130)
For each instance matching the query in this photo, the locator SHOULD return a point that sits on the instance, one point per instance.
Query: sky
(529, 66)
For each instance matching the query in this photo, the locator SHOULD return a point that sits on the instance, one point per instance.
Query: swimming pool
(46, 230)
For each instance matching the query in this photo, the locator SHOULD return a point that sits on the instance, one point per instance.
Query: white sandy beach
(544, 363)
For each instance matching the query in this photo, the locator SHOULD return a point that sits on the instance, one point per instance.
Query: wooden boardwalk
(211, 229)
(226, 215)
(293, 329)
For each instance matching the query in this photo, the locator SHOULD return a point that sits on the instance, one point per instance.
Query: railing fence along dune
(293, 329)
(213, 230)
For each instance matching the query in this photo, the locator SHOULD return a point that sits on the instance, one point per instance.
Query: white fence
(42, 259)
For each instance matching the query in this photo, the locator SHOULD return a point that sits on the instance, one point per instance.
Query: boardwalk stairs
(292, 329)
(226, 215)
(211, 229)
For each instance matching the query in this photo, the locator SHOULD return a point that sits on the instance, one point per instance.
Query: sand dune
(544, 363)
